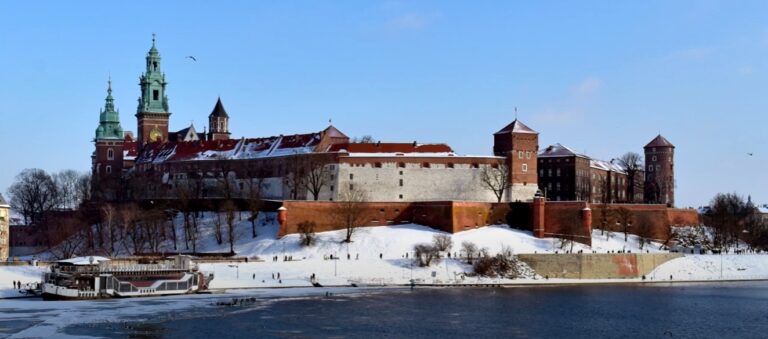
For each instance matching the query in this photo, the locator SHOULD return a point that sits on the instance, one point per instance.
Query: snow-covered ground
(383, 256)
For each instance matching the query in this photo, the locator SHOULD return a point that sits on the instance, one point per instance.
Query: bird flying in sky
(750, 154)
(191, 57)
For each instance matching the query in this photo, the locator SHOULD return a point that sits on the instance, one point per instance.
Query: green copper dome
(109, 119)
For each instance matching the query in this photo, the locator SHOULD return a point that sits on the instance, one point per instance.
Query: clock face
(155, 135)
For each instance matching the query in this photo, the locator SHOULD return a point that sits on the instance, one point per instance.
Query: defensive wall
(546, 219)
(596, 266)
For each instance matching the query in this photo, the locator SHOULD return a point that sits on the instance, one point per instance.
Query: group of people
(285, 258)
(17, 284)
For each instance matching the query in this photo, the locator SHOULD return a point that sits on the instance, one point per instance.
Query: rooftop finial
(515, 112)
(153, 39)
(109, 83)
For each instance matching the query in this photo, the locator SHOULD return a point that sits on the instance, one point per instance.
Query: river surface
(725, 310)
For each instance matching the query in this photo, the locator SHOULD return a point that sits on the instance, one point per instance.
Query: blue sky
(601, 77)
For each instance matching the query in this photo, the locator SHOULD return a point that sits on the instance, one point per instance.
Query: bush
(442, 242)
(503, 265)
(426, 254)
(469, 250)
(307, 231)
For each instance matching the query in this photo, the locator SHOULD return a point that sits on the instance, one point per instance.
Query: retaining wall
(596, 266)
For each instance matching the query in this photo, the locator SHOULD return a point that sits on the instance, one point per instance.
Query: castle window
(110, 154)
(558, 187)
(525, 167)
(520, 154)
(109, 169)
(331, 188)
(401, 182)
(155, 95)
(425, 165)
(401, 196)
(351, 176)
(654, 158)
(549, 172)
(541, 172)
(401, 172)
(449, 165)
(154, 65)
(351, 187)
(650, 168)
(475, 165)
(528, 154)
(377, 165)
(401, 165)
(558, 172)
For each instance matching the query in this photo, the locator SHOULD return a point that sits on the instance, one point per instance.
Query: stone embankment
(596, 266)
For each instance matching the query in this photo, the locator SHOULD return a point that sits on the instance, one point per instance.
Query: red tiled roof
(390, 148)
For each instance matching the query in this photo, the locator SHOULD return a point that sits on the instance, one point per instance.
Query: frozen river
(736, 310)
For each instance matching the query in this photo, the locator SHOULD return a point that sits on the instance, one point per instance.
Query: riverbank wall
(596, 266)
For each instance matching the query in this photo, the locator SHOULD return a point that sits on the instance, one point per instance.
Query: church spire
(109, 118)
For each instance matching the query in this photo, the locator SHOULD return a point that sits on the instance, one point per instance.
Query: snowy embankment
(384, 256)
(24, 274)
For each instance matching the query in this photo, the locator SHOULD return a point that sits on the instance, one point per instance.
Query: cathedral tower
(152, 113)
(218, 123)
(660, 171)
(107, 160)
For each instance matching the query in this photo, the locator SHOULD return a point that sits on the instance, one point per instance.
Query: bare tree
(307, 231)
(67, 187)
(469, 250)
(317, 176)
(365, 139)
(295, 175)
(633, 166)
(184, 196)
(230, 209)
(349, 211)
(644, 227)
(442, 242)
(425, 254)
(728, 213)
(495, 177)
(130, 232)
(69, 247)
(84, 187)
(624, 219)
(255, 202)
(33, 194)
(109, 222)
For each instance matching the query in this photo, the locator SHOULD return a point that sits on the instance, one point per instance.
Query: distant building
(566, 175)
(5, 220)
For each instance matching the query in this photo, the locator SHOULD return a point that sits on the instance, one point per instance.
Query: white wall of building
(436, 183)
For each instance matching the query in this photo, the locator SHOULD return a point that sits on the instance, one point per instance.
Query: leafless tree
(425, 254)
(218, 226)
(230, 210)
(84, 187)
(254, 193)
(33, 194)
(570, 228)
(130, 230)
(66, 185)
(442, 242)
(184, 194)
(109, 228)
(69, 247)
(295, 175)
(728, 214)
(365, 139)
(495, 177)
(633, 166)
(469, 250)
(349, 211)
(644, 229)
(624, 219)
(317, 176)
(307, 231)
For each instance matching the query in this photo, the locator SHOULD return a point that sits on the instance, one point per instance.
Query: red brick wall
(557, 213)
(682, 217)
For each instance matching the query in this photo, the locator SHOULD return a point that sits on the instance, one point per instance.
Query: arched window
(109, 169)
(110, 154)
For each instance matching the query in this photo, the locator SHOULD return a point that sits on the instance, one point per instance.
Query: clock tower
(152, 113)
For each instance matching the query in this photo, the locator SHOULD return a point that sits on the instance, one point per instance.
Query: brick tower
(152, 113)
(660, 171)
(218, 123)
(107, 160)
(520, 145)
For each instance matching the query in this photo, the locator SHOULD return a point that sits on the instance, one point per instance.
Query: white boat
(99, 277)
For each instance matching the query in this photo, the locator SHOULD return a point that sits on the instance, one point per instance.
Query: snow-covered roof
(230, 149)
(558, 150)
(606, 166)
(381, 149)
(763, 209)
(92, 260)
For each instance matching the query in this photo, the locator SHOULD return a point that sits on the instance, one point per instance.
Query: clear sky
(602, 77)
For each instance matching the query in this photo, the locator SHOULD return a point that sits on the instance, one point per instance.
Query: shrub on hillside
(442, 242)
(307, 231)
(502, 265)
(469, 251)
(426, 254)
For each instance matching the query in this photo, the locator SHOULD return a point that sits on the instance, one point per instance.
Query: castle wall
(5, 218)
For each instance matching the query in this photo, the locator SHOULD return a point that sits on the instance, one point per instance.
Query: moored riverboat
(99, 277)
